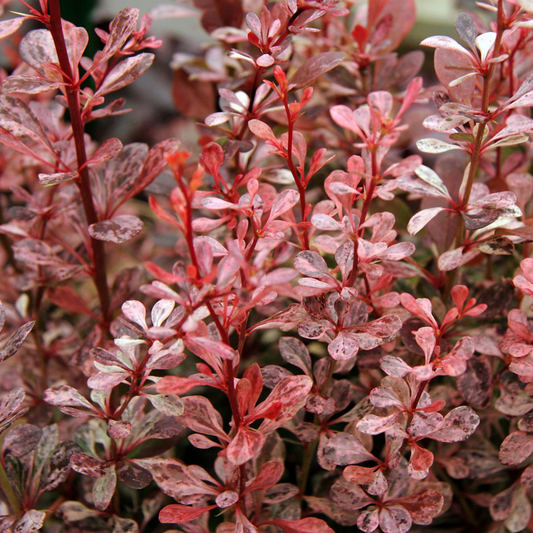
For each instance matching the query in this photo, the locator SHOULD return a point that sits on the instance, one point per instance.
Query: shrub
(339, 330)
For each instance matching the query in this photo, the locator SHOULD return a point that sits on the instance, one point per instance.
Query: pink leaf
(421, 218)
(119, 229)
(16, 340)
(263, 131)
(125, 73)
(374, 425)
(343, 347)
(349, 496)
(88, 466)
(284, 202)
(56, 178)
(121, 28)
(118, 429)
(108, 150)
(27, 84)
(10, 26)
(442, 41)
(246, 445)
(200, 416)
(516, 448)
(395, 519)
(458, 425)
(290, 393)
(345, 449)
(65, 396)
(311, 264)
(344, 117)
(394, 366)
(313, 68)
(295, 352)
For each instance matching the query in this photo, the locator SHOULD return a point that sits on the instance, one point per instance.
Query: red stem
(84, 184)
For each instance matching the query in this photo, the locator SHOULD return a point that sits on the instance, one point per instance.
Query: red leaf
(305, 525)
(424, 506)
(66, 298)
(269, 474)
(178, 514)
(313, 68)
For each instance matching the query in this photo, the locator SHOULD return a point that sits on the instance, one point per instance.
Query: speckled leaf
(119, 229)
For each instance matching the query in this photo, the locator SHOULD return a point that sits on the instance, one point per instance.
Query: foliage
(338, 317)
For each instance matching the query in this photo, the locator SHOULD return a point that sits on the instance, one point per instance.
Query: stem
(304, 238)
(84, 184)
(309, 453)
(478, 142)
(364, 214)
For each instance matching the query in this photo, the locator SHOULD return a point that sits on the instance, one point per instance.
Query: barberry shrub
(311, 321)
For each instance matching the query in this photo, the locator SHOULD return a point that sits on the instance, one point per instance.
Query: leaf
(311, 264)
(466, 29)
(14, 343)
(104, 488)
(349, 496)
(344, 347)
(395, 519)
(516, 448)
(179, 514)
(125, 73)
(269, 474)
(290, 393)
(374, 425)
(284, 202)
(119, 229)
(66, 298)
(10, 409)
(394, 366)
(200, 416)
(447, 43)
(118, 429)
(313, 68)
(32, 520)
(424, 506)
(38, 50)
(295, 352)
(121, 28)
(458, 425)
(10, 26)
(435, 146)
(168, 404)
(108, 150)
(219, 15)
(87, 466)
(304, 525)
(421, 218)
(28, 84)
(59, 177)
(66, 396)
(263, 131)
(346, 449)
(497, 246)
(133, 475)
